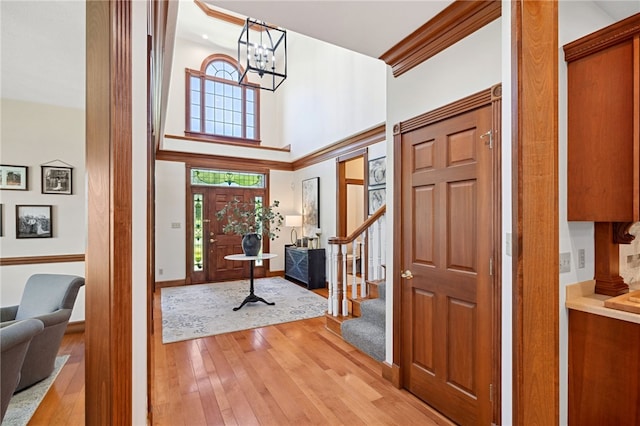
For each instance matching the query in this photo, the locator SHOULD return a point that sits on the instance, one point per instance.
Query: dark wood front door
(447, 247)
(217, 244)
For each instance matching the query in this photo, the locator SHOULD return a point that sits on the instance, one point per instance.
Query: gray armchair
(14, 342)
(49, 298)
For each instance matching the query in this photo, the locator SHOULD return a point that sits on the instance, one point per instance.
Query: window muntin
(217, 105)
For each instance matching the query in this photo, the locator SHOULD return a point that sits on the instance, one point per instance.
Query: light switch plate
(565, 262)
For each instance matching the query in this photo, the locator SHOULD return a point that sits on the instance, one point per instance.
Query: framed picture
(56, 180)
(33, 222)
(310, 206)
(377, 198)
(13, 177)
(378, 171)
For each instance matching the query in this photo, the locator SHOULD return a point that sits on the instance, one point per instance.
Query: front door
(447, 247)
(215, 244)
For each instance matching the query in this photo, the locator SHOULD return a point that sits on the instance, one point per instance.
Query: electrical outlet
(565, 262)
(581, 259)
(175, 225)
(160, 271)
(508, 243)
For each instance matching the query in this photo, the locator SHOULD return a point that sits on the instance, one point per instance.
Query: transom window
(217, 106)
(226, 178)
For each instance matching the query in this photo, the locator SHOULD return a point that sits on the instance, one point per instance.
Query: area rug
(193, 311)
(24, 403)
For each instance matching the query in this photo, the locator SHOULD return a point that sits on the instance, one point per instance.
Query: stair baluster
(368, 246)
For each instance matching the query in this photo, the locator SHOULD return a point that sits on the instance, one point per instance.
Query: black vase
(251, 244)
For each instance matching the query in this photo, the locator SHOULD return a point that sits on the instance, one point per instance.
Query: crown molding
(219, 15)
(601, 39)
(454, 23)
(358, 141)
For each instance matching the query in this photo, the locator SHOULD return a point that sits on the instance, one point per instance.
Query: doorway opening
(207, 244)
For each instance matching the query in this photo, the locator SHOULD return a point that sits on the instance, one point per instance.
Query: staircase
(367, 332)
(359, 315)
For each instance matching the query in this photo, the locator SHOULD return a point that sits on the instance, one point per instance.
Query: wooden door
(217, 244)
(447, 246)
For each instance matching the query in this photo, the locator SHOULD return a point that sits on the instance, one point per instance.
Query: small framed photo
(56, 180)
(377, 198)
(13, 177)
(33, 222)
(378, 171)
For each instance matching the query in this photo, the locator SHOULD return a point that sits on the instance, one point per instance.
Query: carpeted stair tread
(367, 332)
(366, 336)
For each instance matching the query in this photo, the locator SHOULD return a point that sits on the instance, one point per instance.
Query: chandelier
(262, 49)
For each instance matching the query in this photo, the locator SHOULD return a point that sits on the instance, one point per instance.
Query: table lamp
(293, 221)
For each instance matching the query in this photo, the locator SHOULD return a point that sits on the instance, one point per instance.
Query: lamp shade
(293, 220)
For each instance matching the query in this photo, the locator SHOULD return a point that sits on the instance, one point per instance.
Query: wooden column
(108, 332)
(535, 213)
(607, 260)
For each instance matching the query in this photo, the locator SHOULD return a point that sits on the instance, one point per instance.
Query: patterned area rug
(193, 311)
(24, 403)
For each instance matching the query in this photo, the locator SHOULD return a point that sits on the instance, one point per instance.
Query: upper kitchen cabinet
(604, 124)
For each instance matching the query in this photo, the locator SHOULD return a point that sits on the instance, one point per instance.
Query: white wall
(139, 213)
(33, 134)
(506, 353)
(170, 209)
(330, 93)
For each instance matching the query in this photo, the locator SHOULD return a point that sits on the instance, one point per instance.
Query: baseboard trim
(162, 284)
(391, 372)
(75, 327)
(270, 274)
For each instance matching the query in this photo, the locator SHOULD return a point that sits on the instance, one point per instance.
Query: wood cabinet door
(603, 156)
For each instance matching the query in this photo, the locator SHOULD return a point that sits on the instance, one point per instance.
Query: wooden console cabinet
(305, 266)
(603, 71)
(604, 370)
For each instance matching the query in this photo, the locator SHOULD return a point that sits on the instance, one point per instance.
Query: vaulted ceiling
(43, 42)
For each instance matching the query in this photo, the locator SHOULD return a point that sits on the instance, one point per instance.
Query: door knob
(212, 240)
(407, 274)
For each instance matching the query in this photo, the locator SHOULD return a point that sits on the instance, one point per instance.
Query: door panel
(223, 244)
(447, 243)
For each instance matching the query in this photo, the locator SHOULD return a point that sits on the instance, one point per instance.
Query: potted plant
(252, 220)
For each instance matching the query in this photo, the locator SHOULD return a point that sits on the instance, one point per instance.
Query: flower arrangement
(248, 217)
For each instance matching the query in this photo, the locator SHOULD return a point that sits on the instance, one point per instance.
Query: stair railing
(367, 244)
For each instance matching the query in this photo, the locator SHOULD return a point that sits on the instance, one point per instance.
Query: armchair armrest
(57, 317)
(8, 313)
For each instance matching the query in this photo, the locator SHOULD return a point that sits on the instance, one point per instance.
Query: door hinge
(489, 134)
(491, 392)
(491, 266)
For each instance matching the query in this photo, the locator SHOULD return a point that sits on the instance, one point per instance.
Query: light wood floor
(296, 373)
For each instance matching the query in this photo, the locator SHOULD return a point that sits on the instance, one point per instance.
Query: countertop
(581, 297)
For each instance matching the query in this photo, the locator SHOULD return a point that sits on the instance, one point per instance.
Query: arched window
(219, 108)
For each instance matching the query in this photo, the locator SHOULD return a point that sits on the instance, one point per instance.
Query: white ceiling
(42, 50)
(367, 27)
